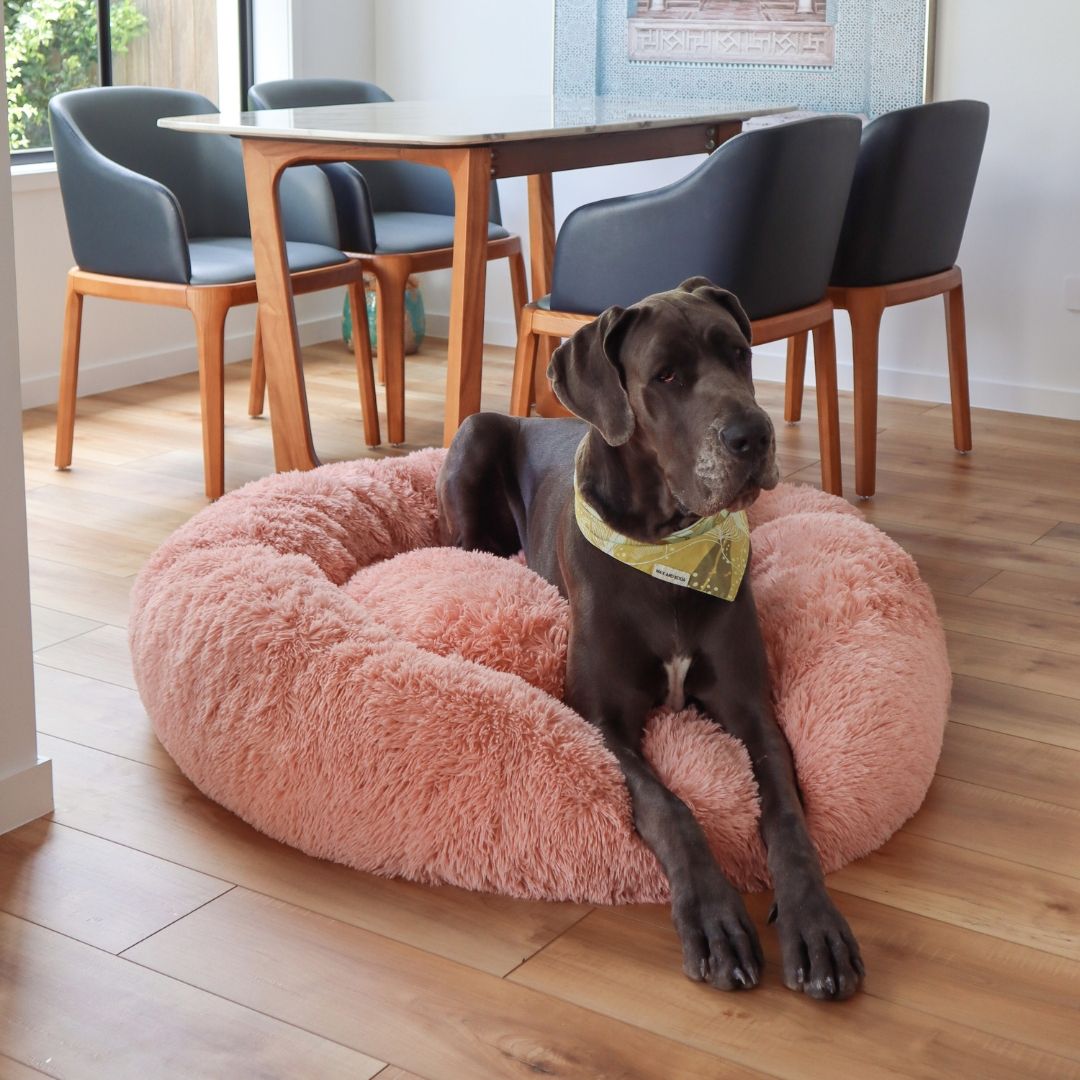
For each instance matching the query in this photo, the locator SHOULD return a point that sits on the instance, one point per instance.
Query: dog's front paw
(819, 952)
(719, 942)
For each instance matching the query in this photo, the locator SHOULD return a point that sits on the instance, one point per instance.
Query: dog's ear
(704, 288)
(587, 377)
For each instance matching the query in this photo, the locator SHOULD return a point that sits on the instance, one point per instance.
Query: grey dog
(670, 433)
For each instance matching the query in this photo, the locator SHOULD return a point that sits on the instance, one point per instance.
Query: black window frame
(105, 73)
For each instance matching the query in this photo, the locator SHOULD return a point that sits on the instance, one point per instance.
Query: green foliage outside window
(51, 46)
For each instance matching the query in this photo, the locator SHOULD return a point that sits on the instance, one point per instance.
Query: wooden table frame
(471, 169)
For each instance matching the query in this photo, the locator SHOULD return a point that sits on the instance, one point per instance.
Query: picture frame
(856, 56)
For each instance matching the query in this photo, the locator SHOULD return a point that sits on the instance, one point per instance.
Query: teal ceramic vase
(415, 324)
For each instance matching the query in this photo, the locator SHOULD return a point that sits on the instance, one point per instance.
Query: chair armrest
(352, 202)
(308, 207)
(120, 222)
(415, 188)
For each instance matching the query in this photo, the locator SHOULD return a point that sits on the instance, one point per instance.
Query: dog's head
(673, 373)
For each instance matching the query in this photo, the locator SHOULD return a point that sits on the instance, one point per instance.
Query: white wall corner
(26, 795)
(26, 787)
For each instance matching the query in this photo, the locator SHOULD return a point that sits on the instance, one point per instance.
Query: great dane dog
(672, 435)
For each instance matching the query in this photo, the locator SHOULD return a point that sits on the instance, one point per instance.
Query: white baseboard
(26, 795)
(132, 370)
(496, 331)
(770, 364)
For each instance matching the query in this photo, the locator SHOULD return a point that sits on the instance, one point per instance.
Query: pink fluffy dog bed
(315, 665)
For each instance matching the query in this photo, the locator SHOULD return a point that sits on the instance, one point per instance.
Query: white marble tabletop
(465, 122)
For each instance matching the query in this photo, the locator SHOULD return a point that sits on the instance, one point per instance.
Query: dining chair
(760, 217)
(160, 217)
(397, 218)
(905, 219)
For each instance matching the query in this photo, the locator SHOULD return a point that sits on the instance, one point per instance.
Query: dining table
(475, 141)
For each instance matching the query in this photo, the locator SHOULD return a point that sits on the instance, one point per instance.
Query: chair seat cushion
(222, 260)
(400, 231)
(314, 664)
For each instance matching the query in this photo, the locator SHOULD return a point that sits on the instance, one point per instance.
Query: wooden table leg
(470, 171)
(542, 257)
(293, 448)
(541, 233)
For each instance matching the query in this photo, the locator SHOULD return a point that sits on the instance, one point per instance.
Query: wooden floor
(146, 933)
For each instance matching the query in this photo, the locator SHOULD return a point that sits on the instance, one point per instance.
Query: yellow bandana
(709, 556)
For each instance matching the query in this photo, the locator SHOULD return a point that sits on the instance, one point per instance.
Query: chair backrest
(98, 129)
(204, 172)
(392, 185)
(761, 217)
(311, 93)
(911, 194)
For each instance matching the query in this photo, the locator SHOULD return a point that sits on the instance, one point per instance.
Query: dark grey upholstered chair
(761, 217)
(905, 220)
(397, 217)
(160, 217)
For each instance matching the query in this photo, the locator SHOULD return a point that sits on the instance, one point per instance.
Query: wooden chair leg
(69, 375)
(519, 285)
(257, 389)
(380, 356)
(210, 311)
(796, 377)
(828, 405)
(521, 392)
(865, 308)
(365, 370)
(955, 330)
(390, 279)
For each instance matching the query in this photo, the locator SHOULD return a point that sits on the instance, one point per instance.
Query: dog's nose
(749, 435)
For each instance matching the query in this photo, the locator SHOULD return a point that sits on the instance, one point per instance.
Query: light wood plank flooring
(145, 932)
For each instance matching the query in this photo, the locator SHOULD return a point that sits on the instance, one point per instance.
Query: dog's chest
(675, 669)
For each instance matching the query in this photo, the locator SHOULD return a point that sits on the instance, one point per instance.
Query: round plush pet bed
(314, 664)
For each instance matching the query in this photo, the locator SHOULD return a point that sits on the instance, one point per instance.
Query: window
(56, 45)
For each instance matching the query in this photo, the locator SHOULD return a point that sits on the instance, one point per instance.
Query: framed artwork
(859, 56)
(786, 33)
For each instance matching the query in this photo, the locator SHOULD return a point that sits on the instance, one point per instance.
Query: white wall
(1023, 236)
(25, 783)
(334, 39)
(314, 38)
(128, 343)
(424, 49)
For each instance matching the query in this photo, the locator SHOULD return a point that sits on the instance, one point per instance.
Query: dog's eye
(665, 375)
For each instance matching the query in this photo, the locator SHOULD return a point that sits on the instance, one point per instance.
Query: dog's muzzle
(738, 461)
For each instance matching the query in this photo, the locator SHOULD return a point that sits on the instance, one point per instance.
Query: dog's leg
(719, 943)
(477, 490)
(819, 953)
